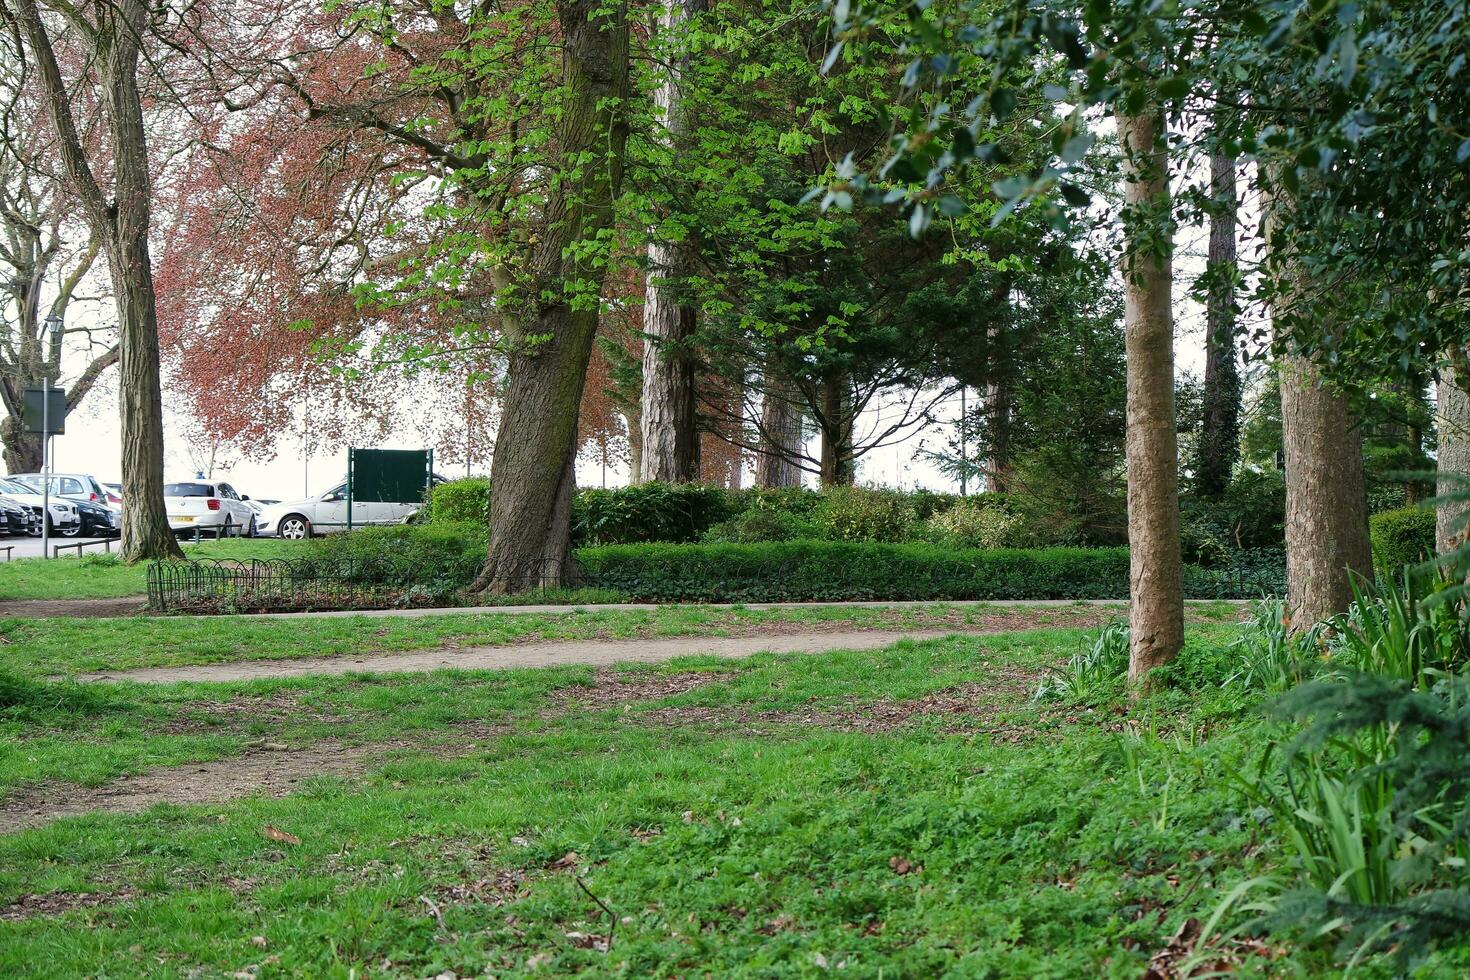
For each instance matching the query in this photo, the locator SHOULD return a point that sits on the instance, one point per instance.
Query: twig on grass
(612, 920)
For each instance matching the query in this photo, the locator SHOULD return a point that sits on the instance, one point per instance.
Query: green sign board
(393, 476)
(35, 408)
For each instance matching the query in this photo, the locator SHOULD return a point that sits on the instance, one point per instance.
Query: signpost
(44, 411)
(395, 476)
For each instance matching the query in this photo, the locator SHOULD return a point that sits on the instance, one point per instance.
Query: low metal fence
(227, 585)
(105, 544)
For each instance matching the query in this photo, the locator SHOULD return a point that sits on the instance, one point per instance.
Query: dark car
(14, 517)
(97, 521)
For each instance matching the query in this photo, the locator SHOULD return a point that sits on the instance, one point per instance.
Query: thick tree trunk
(669, 419)
(1326, 497)
(532, 468)
(781, 441)
(145, 529)
(836, 425)
(1156, 573)
(1452, 421)
(634, 427)
(1219, 439)
(22, 449)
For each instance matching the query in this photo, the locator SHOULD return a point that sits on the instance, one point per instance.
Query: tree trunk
(145, 529)
(781, 441)
(836, 426)
(998, 404)
(532, 467)
(670, 435)
(634, 427)
(1453, 425)
(22, 449)
(1219, 439)
(1326, 498)
(1156, 573)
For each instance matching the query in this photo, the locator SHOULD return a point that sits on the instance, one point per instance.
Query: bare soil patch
(611, 687)
(73, 608)
(55, 903)
(276, 772)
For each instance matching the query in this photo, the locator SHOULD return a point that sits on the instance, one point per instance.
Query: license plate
(183, 519)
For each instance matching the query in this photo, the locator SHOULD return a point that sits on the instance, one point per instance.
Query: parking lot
(26, 547)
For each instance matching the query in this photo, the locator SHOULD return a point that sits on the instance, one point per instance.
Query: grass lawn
(102, 576)
(40, 647)
(898, 812)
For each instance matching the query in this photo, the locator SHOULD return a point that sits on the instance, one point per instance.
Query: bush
(650, 512)
(865, 514)
(460, 501)
(834, 571)
(443, 552)
(1401, 537)
(759, 525)
(975, 524)
(794, 500)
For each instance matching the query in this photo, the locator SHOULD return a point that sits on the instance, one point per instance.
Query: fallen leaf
(280, 836)
(903, 866)
(258, 942)
(567, 860)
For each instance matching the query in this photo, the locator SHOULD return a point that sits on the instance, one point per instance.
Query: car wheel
(228, 531)
(295, 527)
(68, 532)
(250, 531)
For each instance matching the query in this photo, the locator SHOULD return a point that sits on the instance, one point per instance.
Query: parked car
(100, 516)
(208, 504)
(327, 514)
(15, 517)
(63, 518)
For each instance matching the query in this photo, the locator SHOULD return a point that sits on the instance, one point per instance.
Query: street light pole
(54, 324)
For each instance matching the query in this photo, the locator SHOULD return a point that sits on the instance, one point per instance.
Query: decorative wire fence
(223, 585)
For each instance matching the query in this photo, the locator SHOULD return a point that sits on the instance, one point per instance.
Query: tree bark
(669, 416)
(780, 439)
(1326, 496)
(1156, 573)
(837, 469)
(22, 449)
(123, 222)
(532, 467)
(1219, 439)
(1452, 422)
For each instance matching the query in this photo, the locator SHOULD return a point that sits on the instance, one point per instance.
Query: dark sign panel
(56, 415)
(393, 476)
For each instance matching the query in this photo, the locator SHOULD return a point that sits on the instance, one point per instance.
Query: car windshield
(188, 490)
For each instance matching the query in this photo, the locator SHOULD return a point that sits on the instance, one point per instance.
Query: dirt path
(272, 772)
(73, 608)
(541, 654)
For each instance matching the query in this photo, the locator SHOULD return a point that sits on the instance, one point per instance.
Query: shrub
(460, 501)
(974, 524)
(650, 512)
(865, 514)
(833, 571)
(793, 500)
(1401, 537)
(759, 524)
(441, 552)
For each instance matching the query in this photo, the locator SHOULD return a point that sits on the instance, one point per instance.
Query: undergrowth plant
(1094, 673)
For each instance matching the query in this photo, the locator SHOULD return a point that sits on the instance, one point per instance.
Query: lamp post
(54, 324)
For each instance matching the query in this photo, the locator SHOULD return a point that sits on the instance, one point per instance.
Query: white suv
(327, 514)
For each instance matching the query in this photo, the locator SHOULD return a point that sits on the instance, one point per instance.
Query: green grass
(1038, 841)
(103, 576)
(42, 647)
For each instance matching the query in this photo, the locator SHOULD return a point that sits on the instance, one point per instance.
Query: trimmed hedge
(1401, 537)
(460, 501)
(837, 570)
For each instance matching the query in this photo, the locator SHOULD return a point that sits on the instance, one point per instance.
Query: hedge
(1401, 537)
(837, 570)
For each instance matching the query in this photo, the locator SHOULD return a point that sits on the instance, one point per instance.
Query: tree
(1219, 437)
(1156, 573)
(1453, 420)
(552, 334)
(120, 216)
(46, 258)
(670, 441)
